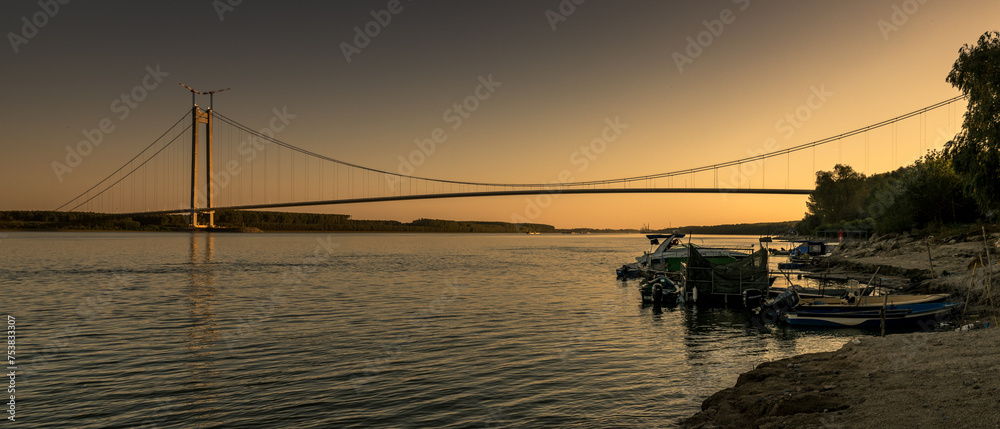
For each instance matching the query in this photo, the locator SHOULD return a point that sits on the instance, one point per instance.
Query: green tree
(929, 192)
(839, 196)
(976, 149)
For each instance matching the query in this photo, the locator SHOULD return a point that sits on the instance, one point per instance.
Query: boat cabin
(811, 248)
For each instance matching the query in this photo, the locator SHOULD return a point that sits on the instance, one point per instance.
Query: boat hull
(867, 302)
(847, 316)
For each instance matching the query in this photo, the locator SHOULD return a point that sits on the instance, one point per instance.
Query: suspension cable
(625, 180)
(126, 164)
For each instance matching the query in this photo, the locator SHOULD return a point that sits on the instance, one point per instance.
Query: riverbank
(959, 264)
(908, 380)
(926, 379)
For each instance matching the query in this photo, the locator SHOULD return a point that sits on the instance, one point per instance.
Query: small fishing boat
(869, 316)
(671, 253)
(806, 254)
(850, 310)
(866, 302)
(793, 265)
(808, 248)
(665, 287)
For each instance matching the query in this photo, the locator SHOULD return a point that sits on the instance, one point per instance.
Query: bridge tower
(198, 117)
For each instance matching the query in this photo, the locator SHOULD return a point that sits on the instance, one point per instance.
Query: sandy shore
(956, 265)
(915, 380)
(921, 380)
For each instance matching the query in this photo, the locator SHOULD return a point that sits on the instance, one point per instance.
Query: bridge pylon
(199, 116)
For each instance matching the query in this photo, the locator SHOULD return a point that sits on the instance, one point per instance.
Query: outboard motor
(670, 291)
(787, 300)
(668, 285)
(771, 311)
(657, 297)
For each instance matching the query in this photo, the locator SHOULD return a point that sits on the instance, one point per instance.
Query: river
(360, 330)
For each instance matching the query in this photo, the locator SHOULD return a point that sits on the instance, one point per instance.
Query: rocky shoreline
(922, 379)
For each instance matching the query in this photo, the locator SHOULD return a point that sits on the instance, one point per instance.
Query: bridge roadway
(554, 191)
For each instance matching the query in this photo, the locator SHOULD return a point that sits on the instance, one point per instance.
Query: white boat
(672, 252)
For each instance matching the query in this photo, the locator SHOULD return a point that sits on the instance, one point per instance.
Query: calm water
(359, 330)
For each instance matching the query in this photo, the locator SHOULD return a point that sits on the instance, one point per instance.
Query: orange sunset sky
(693, 83)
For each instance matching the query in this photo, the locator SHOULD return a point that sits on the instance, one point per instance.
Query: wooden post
(884, 302)
(929, 259)
(858, 302)
(989, 278)
(968, 294)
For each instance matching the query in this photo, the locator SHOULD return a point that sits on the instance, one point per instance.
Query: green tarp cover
(730, 278)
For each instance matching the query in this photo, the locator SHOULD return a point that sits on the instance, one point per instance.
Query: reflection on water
(390, 330)
(200, 293)
(203, 332)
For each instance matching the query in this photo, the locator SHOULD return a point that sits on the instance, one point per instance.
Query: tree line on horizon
(959, 184)
(239, 219)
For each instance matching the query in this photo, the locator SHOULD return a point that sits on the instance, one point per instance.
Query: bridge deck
(499, 194)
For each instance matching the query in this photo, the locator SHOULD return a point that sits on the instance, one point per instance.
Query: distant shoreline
(259, 221)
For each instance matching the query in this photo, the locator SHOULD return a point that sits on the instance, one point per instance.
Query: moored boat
(850, 310)
(665, 287)
(870, 317)
(724, 284)
(671, 253)
(866, 302)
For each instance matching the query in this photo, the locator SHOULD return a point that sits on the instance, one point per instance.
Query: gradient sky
(604, 60)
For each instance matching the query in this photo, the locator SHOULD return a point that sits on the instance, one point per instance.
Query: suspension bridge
(240, 168)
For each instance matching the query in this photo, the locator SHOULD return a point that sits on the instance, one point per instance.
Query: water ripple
(389, 330)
